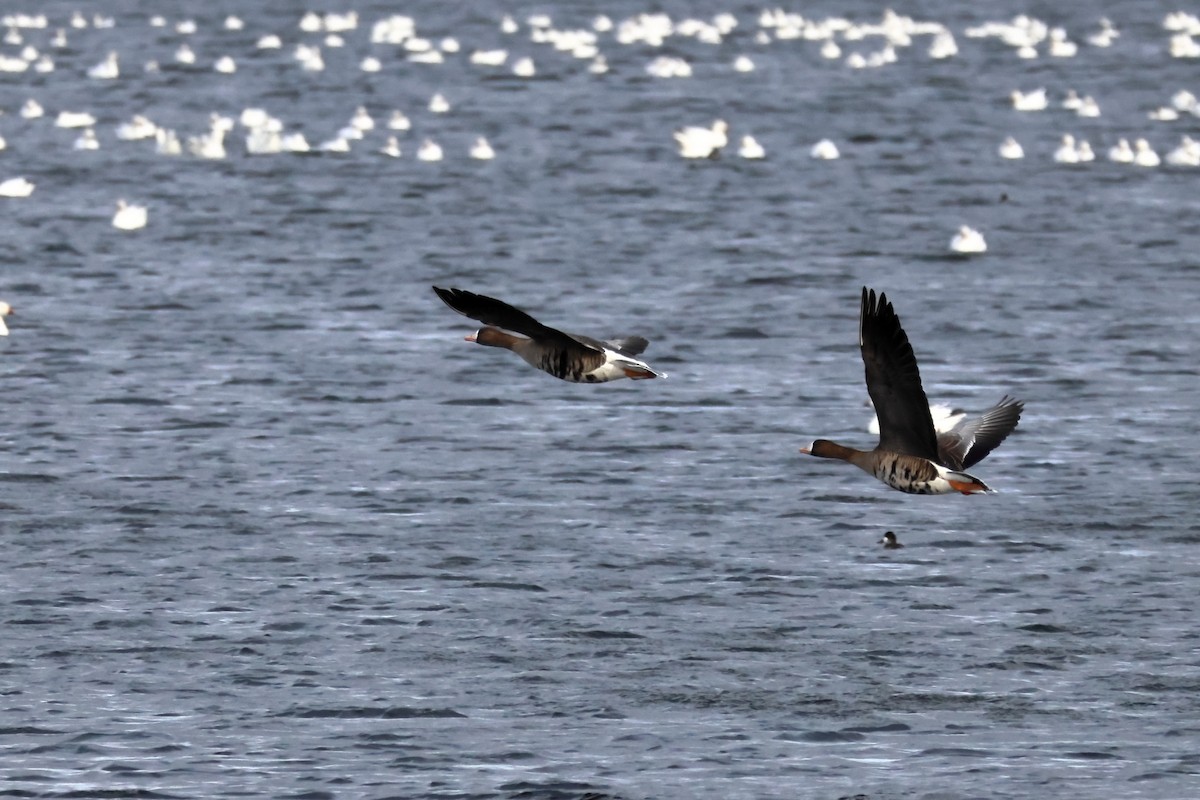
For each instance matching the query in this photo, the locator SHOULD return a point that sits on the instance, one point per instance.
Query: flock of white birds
(32, 41)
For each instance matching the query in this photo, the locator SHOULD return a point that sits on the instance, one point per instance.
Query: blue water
(270, 528)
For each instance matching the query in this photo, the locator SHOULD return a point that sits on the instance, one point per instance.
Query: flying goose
(911, 455)
(568, 356)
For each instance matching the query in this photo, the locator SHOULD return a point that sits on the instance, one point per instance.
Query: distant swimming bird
(137, 128)
(911, 456)
(1088, 107)
(750, 148)
(208, 145)
(571, 357)
(1011, 148)
(1121, 152)
(166, 142)
(1144, 155)
(1029, 101)
(698, 142)
(482, 150)
(87, 140)
(398, 121)
(1187, 154)
(129, 217)
(5, 310)
(16, 187)
(338, 144)
(107, 69)
(968, 240)
(32, 109)
(1066, 152)
(225, 65)
(391, 147)
(74, 119)
(890, 542)
(362, 119)
(524, 68)
(438, 104)
(489, 58)
(825, 150)
(429, 151)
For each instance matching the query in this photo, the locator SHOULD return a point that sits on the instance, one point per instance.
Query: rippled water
(271, 528)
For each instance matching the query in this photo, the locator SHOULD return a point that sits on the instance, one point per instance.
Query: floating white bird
(438, 104)
(698, 142)
(338, 144)
(1088, 107)
(398, 121)
(489, 58)
(482, 150)
(1121, 152)
(166, 143)
(225, 65)
(1060, 45)
(1144, 155)
(391, 148)
(1029, 101)
(825, 150)
(16, 187)
(751, 149)
(208, 145)
(129, 217)
(87, 140)
(1066, 152)
(943, 46)
(1084, 152)
(1187, 154)
(362, 119)
(968, 240)
(1011, 148)
(743, 64)
(32, 109)
(429, 151)
(5, 310)
(137, 128)
(184, 54)
(524, 68)
(295, 143)
(263, 141)
(106, 69)
(74, 119)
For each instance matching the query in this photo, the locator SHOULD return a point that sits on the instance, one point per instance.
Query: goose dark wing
(500, 314)
(893, 380)
(968, 442)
